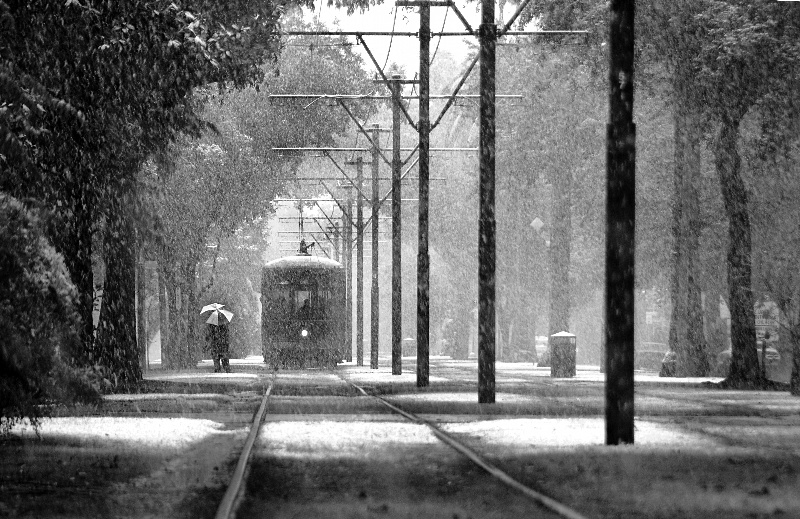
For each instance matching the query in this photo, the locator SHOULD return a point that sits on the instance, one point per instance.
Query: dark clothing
(217, 344)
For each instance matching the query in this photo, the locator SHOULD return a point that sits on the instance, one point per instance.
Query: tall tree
(748, 53)
(129, 67)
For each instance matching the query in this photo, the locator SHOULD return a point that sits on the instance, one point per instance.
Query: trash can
(562, 355)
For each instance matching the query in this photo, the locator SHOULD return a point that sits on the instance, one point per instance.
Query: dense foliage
(38, 329)
(90, 91)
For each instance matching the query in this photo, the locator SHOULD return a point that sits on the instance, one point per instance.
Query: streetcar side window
(279, 301)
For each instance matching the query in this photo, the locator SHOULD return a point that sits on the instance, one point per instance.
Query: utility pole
(486, 222)
(423, 258)
(375, 293)
(620, 226)
(360, 263)
(359, 164)
(348, 270)
(397, 244)
(488, 35)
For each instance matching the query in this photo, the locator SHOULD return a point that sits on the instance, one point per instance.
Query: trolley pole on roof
(423, 258)
(620, 226)
(397, 285)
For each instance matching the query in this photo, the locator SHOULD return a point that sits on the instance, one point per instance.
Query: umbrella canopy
(217, 311)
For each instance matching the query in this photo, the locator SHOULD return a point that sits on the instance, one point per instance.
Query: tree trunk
(171, 357)
(744, 361)
(116, 346)
(192, 311)
(75, 244)
(686, 336)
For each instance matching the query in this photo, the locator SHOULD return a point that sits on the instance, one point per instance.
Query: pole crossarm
(316, 202)
(341, 170)
(514, 17)
(389, 193)
(345, 216)
(455, 91)
(362, 130)
(402, 177)
(395, 95)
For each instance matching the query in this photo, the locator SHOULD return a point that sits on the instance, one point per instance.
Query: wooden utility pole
(397, 244)
(486, 223)
(359, 163)
(348, 269)
(423, 258)
(488, 35)
(375, 292)
(620, 226)
(360, 263)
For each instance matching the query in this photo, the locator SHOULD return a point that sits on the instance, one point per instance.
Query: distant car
(648, 360)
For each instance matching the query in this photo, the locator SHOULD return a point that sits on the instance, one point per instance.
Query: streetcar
(303, 312)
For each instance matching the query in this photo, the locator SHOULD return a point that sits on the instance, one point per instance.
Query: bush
(39, 324)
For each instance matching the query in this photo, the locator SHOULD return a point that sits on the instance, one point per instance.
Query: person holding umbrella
(217, 341)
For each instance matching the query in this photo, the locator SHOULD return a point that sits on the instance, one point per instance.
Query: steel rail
(541, 499)
(230, 501)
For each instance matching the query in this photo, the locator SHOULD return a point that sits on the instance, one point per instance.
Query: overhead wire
(391, 39)
(440, 36)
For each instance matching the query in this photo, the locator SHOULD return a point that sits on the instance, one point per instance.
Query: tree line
(122, 139)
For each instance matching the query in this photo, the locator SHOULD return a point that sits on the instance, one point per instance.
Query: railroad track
(234, 494)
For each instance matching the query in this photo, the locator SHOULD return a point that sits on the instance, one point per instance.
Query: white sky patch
(404, 49)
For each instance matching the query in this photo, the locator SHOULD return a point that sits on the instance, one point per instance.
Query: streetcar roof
(311, 262)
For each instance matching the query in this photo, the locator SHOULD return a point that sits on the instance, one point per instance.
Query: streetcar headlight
(304, 333)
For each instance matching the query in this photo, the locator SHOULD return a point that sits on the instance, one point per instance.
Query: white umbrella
(216, 310)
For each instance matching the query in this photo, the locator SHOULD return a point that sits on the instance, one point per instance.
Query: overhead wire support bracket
(336, 200)
(437, 3)
(452, 98)
(395, 95)
(514, 17)
(361, 128)
(341, 170)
